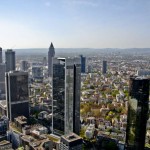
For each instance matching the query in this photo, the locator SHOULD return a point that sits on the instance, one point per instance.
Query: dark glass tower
(1, 55)
(66, 95)
(17, 94)
(137, 113)
(10, 60)
(104, 67)
(2, 77)
(51, 54)
(83, 64)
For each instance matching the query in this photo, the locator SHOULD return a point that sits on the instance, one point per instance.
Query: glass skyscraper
(66, 95)
(104, 67)
(137, 113)
(10, 60)
(2, 77)
(2, 73)
(1, 55)
(17, 94)
(83, 64)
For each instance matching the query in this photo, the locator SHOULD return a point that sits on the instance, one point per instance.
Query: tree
(82, 132)
(92, 87)
(87, 108)
(96, 113)
(108, 118)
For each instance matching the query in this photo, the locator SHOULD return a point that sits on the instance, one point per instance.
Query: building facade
(2, 74)
(66, 95)
(5, 145)
(137, 113)
(83, 64)
(1, 60)
(44, 61)
(24, 65)
(3, 125)
(2, 77)
(17, 94)
(104, 67)
(143, 72)
(37, 72)
(71, 142)
(51, 54)
(10, 60)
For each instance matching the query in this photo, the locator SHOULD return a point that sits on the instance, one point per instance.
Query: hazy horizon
(78, 51)
(35, 48)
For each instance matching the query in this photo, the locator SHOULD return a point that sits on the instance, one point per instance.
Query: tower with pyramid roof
(51, 54)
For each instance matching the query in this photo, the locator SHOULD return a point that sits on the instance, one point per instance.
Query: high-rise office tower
(1, 55)
(10, 60)
(104, 67)
(17, 94)
(44, 61)
(37, 72)
(137, 113)
(2, 77)
(51, 54)
(24, 65)
(83, 64)
(66, 95)
(2, 73)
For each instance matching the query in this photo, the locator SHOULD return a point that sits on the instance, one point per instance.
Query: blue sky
(75, 23)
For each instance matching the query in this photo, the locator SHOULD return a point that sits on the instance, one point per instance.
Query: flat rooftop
(4, 142)
(3, 104)
(71, 137)
(21, 119)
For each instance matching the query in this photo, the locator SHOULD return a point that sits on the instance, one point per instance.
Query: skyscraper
(2, 77)
(37, 72)
(1, 55)
(2, 73)
(44, 61)
(10, 60)
(17, 94)
(104, 67)
(51, 54)
(137, 113)
(24, 65)
(66, 95)
(83, 64)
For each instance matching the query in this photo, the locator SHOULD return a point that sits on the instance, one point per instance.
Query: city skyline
(75, 24)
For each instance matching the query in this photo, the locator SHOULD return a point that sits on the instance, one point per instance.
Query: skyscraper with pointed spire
(51, 54)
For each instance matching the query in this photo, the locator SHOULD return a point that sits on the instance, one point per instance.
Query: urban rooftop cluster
(81, 102)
